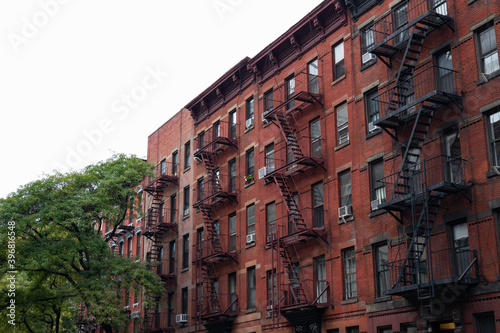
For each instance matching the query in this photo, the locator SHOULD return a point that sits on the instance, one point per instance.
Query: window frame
(372, 109)
(490, 26)
(341, 185)
(251, 288)
(250, 163)
(232, 124)
(493, 142)
(270, 223)
(268, 100)
(187, 155)
(313, 76)
(184, 300)
(318, 207)
(377, 188)
(185, 251)
(338, 60)
(250, 110)
(381, 271)
(186, 202)
(315, 141)
(232, 229)
(269, 157)
(344, 126)
(175, 162)
(349, 273)
(250, 223)
(290, 91)
(231, 167)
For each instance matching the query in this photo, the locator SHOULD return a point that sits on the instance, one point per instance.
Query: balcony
(220, 248)
(217, 306)
(316, 294)
(294, 158)
(434, 86)
(160, 220)
(289, 232)
(295, 95)
(164, 268)
(446, 266)
(215, 139)
(159, 322)
(391, 30)
(442, 174)
(164, 173)
(219, 190)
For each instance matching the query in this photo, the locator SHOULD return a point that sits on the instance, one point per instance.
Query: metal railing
(385, 26)
(415, 89)
(217, 304)
(426, 174)
(285, 225)
(207, 248)
(160, 216)
(316, 292)
(164, 169)
(209, 140)
(219, 185)
(163, 267)
(446, 265)
(159, 321)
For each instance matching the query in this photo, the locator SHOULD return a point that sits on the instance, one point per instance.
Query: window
(381, 257)
(338, 60)
(485, 322)
(251, 219)
(454, 156)
(372, 111)
(175, 162)
(269, 151)
(186, 201)
(163, 165)
(216, 133)
(232, 124)
(199, 237)
(268, 100)
(461, 249)
(185, 251)
(317, 201)
(184, 300)
(445, 72)
(384, 329)
(232, 232)
(377, 187)
(345, 188)
(201, 140)
(250, 164)
(313, 78)
(400, 19)
(171, 310)
(494, 136)
(350, 289)
(487, 49)
(173, 208)
(232, 175)
(201, 189)
(272, 289)
(354, 329)
(130, 247)
(161, 217)
(187, 155)
(439, 7)
(271, 220)
(290, 91)
(120, 249)
(320, 282)
(294, 206)
(171, 261)
(251, 288)
(232, 291)
(409, 327)
(249, 112)
(139, 244)
(342, 124)
(315, 129)
(367, 41)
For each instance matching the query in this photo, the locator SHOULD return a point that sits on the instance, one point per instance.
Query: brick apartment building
(345, 179)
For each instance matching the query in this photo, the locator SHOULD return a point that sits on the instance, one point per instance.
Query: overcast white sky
(67, 67)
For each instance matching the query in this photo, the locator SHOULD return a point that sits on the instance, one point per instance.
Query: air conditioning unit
(375, 203)
(186, 212)
(262, 172)
(250, 238)
(135, 315)
(343, 139)
(269, 307)
(345, 211)
(181, 318)
(249, 123)
(264, 120)
(372, 127)
(197, 159)
(368, 57)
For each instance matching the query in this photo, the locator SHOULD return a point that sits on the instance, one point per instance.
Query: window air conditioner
(181, 318)
(372, 127)
(249, 123)
(269, 307)
(186, 212)
(250, 238)
(197, 159)
(345, 211)
(368, 57)
(262, 172)
(135, 315)
(375, 203)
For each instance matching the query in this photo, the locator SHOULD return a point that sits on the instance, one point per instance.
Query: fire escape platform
(218, 257)
(429, 18)
(160, 228)
(304, 235)
(215, 199)
(298, 166)
(161, 182)
(216, 146)
(396, 118)
(411, 291)
(304, 98)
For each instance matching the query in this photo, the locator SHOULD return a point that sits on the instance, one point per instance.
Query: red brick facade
(435, 236)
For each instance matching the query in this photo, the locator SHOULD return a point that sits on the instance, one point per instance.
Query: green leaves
(61, 259)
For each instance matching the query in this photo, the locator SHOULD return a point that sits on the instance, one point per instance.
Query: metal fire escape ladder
(289, 136)
(213, 240)
(293, 284)
(293, 210)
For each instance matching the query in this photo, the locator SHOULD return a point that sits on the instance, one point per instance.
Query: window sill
(185, 217)
(249, 184)
(342, 146)
(489, 78)
(251, 310)
(248, 129)
(186, 169)
(382, 299)
(184, 270)
(377, 213)
(338, 80)
(350, 301)
(373, 133)
(368, 64)
(248, 246)
(491, 174)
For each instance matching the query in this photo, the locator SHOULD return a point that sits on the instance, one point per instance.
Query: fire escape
(213, 308)
(298, 299)
(416, 190)
(159, 221)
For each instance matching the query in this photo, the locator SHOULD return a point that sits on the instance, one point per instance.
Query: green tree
(62, 261)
